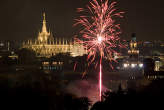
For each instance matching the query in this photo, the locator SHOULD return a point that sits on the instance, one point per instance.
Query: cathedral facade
(45, 45)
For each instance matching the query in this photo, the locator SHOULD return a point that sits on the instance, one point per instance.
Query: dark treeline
(37, 92)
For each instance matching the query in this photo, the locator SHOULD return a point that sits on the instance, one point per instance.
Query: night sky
(21, 19)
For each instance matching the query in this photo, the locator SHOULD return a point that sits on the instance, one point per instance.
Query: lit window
(45, 63)
(126, 65)
(141, 65)
(133, 65)
(54, 63)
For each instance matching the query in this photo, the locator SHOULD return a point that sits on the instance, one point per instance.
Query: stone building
(45, 45)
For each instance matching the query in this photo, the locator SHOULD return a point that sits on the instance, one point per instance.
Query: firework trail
(99, 32)
(100, 81)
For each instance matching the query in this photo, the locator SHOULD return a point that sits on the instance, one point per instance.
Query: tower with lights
(133, 50)
(133, 62)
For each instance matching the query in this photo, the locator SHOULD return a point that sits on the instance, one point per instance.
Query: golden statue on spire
(44, 16)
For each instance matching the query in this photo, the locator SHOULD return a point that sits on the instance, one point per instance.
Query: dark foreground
(35, 90)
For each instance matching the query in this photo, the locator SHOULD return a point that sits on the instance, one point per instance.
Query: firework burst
(99, 32)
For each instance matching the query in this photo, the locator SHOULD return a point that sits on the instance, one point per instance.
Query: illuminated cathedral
(45, 45)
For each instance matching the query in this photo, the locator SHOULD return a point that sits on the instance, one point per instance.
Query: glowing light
(133, 65)
(125, 65)
(99, 32)
(1, 44)
(141, 65)
(99, 39)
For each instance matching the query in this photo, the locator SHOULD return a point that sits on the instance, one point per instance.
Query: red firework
(99, 32)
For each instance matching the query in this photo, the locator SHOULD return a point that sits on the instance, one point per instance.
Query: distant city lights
(133, 65)
(141, 65)
(126, 65)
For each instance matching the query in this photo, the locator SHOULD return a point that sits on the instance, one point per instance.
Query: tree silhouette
(148, 97)
(73, 103)
(26, 56)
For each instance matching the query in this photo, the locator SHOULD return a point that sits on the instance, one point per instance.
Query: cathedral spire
(63, 41)
(44, 28)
